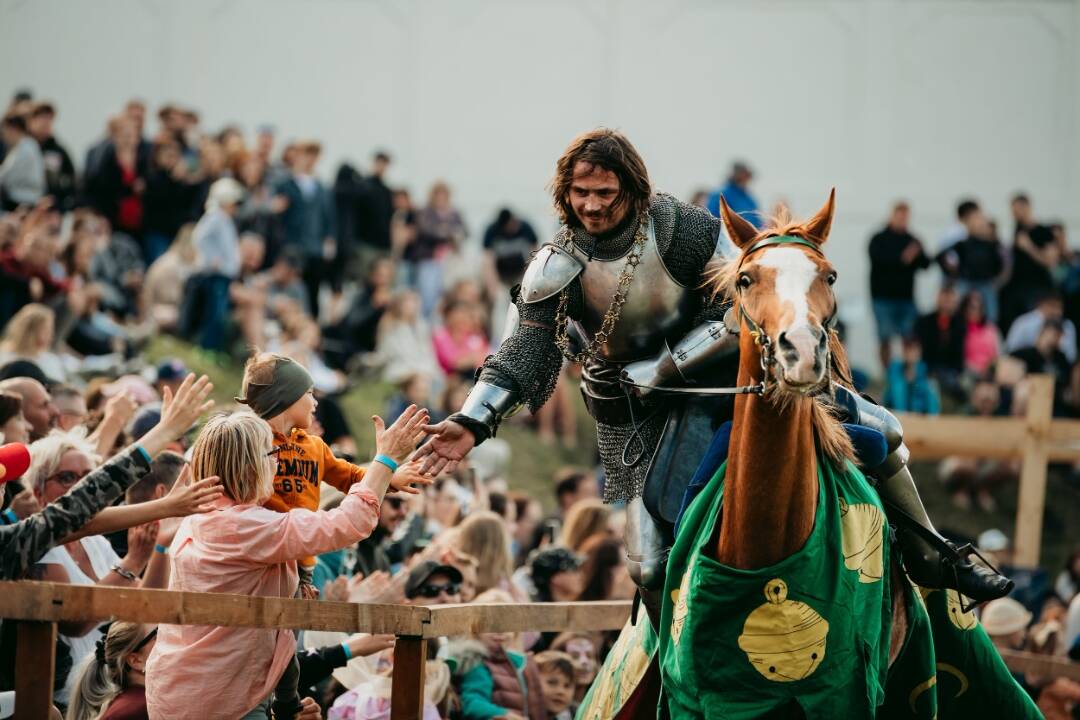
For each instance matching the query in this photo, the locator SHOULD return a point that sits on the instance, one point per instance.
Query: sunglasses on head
(142, 643)
(432, 590)
(395, 502)
(67, 478)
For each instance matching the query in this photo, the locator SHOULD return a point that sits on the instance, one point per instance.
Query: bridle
(761, 338)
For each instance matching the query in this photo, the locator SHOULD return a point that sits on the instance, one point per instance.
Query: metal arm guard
(485, 407)
(863, 412)
(701, 346)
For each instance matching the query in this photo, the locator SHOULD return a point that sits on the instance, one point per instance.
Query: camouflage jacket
(25, 542)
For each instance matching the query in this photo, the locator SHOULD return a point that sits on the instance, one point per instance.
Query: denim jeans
(215, 315)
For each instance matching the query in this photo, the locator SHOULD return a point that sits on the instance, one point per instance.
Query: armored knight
(620, 290)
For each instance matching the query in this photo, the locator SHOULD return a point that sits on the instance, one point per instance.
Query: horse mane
(719, 280)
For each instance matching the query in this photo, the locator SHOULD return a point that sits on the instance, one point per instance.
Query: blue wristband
(348, 652)
(10, 516)
(159, 548)
(385, 460)
(145, 455)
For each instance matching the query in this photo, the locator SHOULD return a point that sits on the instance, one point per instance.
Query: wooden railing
(36, 608)
(1035, 439)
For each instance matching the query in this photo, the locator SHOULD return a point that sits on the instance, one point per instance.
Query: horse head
(782, 286)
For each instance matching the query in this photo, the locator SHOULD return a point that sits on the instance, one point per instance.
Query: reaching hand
(365, 645)
(400, 439)
(310, 710)
(119, 409)
(187, 498)
(25, 504)
(141, 539)
(178, 413)
(450, 443)
(337, 590)
(408, 475)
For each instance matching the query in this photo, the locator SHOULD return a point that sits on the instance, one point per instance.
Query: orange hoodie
(302, 463)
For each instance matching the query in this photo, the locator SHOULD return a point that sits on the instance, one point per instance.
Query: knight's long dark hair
(610, 150)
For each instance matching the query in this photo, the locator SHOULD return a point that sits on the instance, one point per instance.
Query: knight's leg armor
(930, 560)
(647, 548)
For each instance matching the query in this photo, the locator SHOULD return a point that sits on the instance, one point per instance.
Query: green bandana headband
(289, 384)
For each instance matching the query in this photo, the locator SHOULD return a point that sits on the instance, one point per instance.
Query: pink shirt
(982, 345)
(244, 550)
(449, 352)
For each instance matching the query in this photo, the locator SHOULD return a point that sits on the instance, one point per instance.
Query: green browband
(783, 240)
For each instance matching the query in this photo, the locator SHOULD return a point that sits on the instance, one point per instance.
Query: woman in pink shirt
(982, 341)
(460, 344)
(243, 548)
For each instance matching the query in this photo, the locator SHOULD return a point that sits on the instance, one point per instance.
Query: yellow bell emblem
(680, 611)
(960, 619)
(784, 639)
(862, 538)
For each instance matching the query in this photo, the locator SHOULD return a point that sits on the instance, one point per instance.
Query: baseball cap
(27, 369)
(171, 369)
(423, 571)
(1004, 616)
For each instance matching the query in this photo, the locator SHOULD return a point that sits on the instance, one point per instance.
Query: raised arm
(24, 543)
(523, 370)
(301, 533)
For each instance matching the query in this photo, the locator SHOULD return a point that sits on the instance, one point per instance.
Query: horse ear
(741, 232)
(818, 226)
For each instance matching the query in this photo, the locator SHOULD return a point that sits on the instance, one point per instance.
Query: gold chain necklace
(633, 259)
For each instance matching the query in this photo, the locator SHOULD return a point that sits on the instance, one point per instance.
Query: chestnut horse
(783, 295)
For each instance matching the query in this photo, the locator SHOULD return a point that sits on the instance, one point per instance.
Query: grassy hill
(532, 462)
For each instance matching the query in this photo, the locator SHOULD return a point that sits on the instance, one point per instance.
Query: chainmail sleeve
(529, 361)
(686, 236)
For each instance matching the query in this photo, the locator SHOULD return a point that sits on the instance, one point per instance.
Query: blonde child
(279, 390)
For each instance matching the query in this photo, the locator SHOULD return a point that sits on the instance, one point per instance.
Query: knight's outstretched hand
(450, 443)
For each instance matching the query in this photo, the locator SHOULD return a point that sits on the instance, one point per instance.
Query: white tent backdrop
(927, 100)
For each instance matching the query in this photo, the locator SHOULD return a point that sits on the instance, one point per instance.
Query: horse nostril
(785, 344)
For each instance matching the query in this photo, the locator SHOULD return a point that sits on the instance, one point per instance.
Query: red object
(14, 459)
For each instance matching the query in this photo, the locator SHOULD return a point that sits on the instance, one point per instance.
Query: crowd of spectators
(1003, 312)
(236, 243)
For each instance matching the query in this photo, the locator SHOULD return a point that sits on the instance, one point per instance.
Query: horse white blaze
(795, 274)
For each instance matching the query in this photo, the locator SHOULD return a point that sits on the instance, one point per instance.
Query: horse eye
(744, 281)
(831, 279)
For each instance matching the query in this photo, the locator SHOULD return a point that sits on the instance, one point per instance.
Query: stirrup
(961, 553)
(948, 553)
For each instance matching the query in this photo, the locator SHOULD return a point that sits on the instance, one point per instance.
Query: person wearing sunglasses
(430, 583)
(111, 682)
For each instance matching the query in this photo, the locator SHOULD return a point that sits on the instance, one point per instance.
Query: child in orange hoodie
(279, 390)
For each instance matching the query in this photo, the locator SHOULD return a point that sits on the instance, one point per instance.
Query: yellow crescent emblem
(919, 690)
(955, 672)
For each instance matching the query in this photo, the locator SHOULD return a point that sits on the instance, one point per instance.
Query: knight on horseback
(620, 289)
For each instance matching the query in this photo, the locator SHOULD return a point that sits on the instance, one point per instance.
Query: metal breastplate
(657, 307)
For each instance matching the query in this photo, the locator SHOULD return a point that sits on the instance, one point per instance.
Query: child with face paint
(279, 390)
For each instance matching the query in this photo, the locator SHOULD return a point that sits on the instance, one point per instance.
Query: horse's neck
(770, 488)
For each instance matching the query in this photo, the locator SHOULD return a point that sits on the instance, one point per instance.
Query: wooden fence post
(35, 665)
(1029, 509)
(407, 684)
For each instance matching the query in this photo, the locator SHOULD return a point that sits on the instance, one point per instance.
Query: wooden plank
(941, 436)
(1029, 510)
(936, 437)
(1046, 666)
(407, 683)
(35, 665)
(55, 602)
(449, 620)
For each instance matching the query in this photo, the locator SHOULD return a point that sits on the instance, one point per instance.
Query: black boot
(930, 560)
